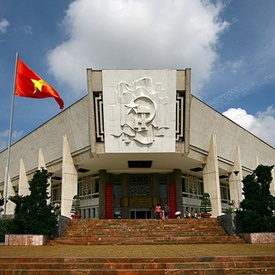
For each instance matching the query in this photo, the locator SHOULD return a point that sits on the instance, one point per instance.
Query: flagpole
(9, 140)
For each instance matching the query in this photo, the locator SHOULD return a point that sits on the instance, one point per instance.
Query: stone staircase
(138, 266)
(151, 231)
(138, 232)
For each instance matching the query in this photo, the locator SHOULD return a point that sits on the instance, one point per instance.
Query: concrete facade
(138, 138)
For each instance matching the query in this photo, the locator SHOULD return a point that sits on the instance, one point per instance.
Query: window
(140, 186)
(88, 187)
(192, 187)
(117, 190)
(225, 193)
(56, 193)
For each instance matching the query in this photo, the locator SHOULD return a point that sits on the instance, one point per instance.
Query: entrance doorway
(140, 213)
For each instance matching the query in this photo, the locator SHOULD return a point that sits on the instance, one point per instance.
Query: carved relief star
(132, 107)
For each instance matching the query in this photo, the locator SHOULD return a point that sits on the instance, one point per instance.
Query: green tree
(1, 204)
(32, 213)
(206, 205)
(256, 213)
(76, 205)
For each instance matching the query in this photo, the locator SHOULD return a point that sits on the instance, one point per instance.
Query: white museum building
(138, 138)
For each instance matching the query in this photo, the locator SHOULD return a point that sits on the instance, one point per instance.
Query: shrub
(256, 213)
(76, 205)
(206, 205)
(5, 228)
(32, 213)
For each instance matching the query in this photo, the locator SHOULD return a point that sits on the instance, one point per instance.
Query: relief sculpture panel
(139, 110)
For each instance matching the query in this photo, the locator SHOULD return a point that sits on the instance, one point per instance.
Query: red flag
(29, 84)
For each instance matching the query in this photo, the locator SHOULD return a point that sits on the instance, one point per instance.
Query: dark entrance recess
(140, 214)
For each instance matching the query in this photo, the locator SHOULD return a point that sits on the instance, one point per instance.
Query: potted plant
(76, 208)
(206, 206)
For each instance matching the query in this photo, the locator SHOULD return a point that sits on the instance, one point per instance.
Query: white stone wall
(72, 122)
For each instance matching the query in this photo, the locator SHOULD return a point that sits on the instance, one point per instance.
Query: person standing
(158, 211)
(166, 211)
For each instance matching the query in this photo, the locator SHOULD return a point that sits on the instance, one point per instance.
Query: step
(140, 266)
(71, 233)
(126, 231)
(145, 225)
(146, 240)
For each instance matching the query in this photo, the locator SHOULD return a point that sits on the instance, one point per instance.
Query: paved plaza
(129, 251)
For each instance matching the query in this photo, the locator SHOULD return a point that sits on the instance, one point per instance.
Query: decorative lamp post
(236, 174)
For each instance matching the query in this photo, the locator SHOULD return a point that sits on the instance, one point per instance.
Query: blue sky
(229, 46)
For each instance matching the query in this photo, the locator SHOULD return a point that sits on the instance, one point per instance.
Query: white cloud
(137, 34)
(4, 25)
(234, 66)
(4, 136)
(262, 124)
(4, 140)
(26, 29)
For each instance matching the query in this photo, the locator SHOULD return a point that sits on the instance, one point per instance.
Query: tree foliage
(5, 228)
(76, 205)
(32, 213)
(206, 205)
(1, 204)
(256, 213)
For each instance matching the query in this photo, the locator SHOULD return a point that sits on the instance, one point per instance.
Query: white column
(235, 179)
(272, 185)
(42, 163)
(23, 188)
(10, 206)
(233, 189)
(211, 178)
(256, 162)
(41, 160)
(69, 179)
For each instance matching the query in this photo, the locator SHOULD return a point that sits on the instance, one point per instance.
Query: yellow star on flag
(38, 84)
(28, 84)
